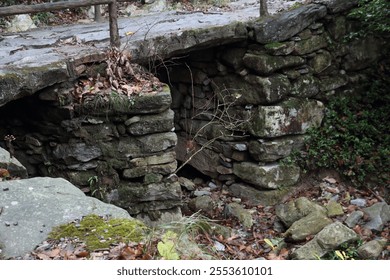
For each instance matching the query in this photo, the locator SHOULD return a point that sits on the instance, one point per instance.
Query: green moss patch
(98, 233)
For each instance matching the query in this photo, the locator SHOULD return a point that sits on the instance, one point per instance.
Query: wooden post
(113, 17)
(98, 13)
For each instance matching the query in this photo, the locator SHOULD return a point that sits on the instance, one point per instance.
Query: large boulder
(32, 207)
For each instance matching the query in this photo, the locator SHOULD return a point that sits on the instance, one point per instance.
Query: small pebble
(15, 223)
(7, 224)
(5, 189)
(359, 202)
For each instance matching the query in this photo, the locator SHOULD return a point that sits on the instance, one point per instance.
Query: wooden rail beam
(47, 7)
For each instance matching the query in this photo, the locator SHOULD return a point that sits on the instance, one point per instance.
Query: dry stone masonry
(241, 97)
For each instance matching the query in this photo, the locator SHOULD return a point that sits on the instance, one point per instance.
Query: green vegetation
(354, 138)
(374, 16)
(98, 233)
(346, 251)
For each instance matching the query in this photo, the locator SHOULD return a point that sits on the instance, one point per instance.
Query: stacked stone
(276, 82)
(121, 151)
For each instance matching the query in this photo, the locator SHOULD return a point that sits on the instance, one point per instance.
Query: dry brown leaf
(52, 253)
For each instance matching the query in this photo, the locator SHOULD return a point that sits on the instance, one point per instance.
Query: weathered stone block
(255, 196)
(271, 150)
(270, 89)
(315, 42)
(76, 152)
(267, 64)
(332, 83)
(166, 157)
(131, 193)
(252, 89)
(321, 62)
(164, 169)
(162, 122)
(306, 86)
(120, 104)
(271, 176)
(329, 238)
(296, 209)
(337, 6)
(307, 226)
(284, 26)
(293, 116)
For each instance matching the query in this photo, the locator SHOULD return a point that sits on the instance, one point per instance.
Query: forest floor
(264, 240)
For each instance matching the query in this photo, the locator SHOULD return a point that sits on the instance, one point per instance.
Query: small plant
(346, 251)
(166, 247)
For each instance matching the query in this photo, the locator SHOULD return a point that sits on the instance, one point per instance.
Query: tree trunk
(98, 13)
(263, 8)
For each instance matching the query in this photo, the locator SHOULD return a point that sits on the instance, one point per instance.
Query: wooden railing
(47, 7)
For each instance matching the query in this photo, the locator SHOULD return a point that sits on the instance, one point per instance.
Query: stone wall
(121, 150)
(235, 109)
(240, 109)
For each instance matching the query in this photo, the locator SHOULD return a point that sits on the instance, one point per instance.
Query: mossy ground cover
(99, 233)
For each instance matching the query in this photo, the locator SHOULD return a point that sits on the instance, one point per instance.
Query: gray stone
(280, 48)
(307, 226)
(271, 176)
(167, 157)
(372, 249)
(252, 89)
(76, 152)
(361, 202)
(163, 192)
(255, 196)
(296, 210)
(306, 86)
(202, 203)
(39, 204)
(21, 23)
(269, 150)
(334, 235)
(328, 239)
(310, 45)
(287, 24)
(379, 215)
(267, 64)
(243, 215)
(163, 169)
(321, 62)
(141, 146)
(120, 104)
(187, 183)
(332, 83)
(292, 116)
(353, 218)
(334, 209)
(337, 6)
(14, 167)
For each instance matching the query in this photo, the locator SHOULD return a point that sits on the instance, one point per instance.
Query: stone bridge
(270, 76)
